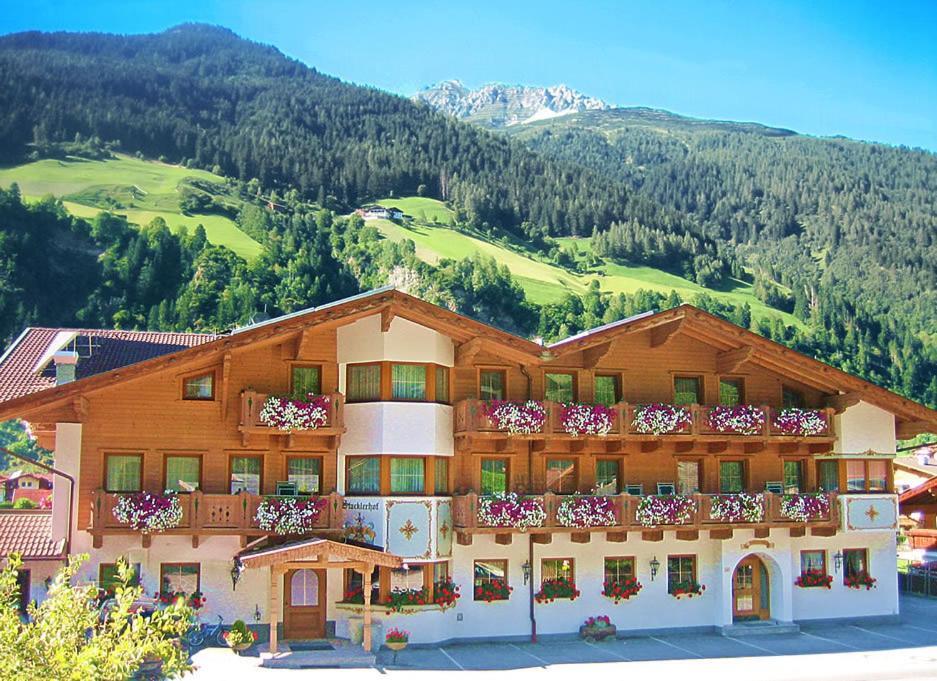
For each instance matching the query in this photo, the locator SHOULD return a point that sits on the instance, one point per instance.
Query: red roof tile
(29, 533)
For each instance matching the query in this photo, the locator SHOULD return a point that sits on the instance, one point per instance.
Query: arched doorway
(751, 591)
(304, 604)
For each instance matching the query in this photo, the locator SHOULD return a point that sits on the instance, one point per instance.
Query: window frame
(743, 463)
(867, 478)
(234, 455)
(317, 457)
(572, 373)
(839, 474)
(787, 388)
(136, 567)
(305, 365)
(507, 471)
(616, 378)
(572, 568)
(380, 475)
(682, 556)
(700, 477)
(492, 369)
(619, 464)
(179, 564)
(184, 455)
(107, 456)
(743, 388)
(380, 388)
(865, 561)
(700, 392)
(634, 566)
(390, 477)
(429, 377)
(575, 473)
(507, 575)
(822, 552)
(386, 384)
(802, 478)
(436, 473)
(211, 373)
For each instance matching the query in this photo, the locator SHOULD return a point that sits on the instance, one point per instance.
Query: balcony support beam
(823, 531)
(466, 352)
(730, 361)
(616, 537)
(687, 535)
(650, 446)
(725, 533)
(504, 538)
(841, 402)
(754, 447)
(592, 356)
(387, 317)
(652, 535)
(717, 447)
(580, 537)
(797, 531)
(542, 538)
(463, 538)
(762, 532)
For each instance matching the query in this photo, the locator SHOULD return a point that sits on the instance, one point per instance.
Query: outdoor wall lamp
(655, 566)
(526, 568)
(237, 567)
(838, 560)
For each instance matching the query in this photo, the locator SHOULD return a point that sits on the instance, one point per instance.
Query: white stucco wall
(405, 341)
(67, 458)
(862, 427)
(397, 428)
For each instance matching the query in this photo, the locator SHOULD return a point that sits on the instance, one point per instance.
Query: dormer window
(201, 387)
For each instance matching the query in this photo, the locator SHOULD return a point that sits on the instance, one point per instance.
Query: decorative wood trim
(730, 361)
(661, 334)
(387, 317)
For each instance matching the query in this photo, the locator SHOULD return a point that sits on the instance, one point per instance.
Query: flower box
(587, 511)
(742, 419)
(586, 419)
(290, 413)
(507, 509)
(521, 418)
(621, 591)
(688, 589)
(401, 599)
(551, 589)
(597, 629)
(859, 580)
(814, 578)
(445, 594)
(800, 422)
(738, 508)
(148, 512)
(803, 508)
(665, 510)
(661, 419)
(495, 590)
(289, 515)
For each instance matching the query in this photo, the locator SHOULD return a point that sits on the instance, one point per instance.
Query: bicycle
(200, 633)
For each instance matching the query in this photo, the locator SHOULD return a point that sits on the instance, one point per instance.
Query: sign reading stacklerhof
(412, 528)
(872, 512)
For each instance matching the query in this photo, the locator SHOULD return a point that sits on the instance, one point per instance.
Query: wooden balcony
(466, 521)
(922, 539)
(207, 514)
(328, 435)
(472, 425)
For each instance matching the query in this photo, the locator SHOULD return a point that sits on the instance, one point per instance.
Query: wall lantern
(838, 560)
(526, 568)
(237, 567)
(655, 566)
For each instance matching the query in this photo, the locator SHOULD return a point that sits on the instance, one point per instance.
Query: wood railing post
(336, 517)
(549, 505)
(196, 510)
(471, 500)
(766, 429)
(97, 501)
(694, 419)
(698, 514)
(552, 412)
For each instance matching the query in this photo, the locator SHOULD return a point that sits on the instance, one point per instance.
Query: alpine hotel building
(671, 470)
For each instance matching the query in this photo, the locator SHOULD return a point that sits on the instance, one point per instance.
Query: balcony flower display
(516, 417)
(495, 590)
(805, 507)
(289, 515)
(742, 419)
(507, 509)
(738, 508)
(859, 580)
(661, 419)
(665, 510)
(148, 512)
(586, 511)
(400, 599)
(445, 594)
(586, 419)
(801, 422)
(290, 413)
(689, 589)
(621, 590)
(551, 589)
(811, 578)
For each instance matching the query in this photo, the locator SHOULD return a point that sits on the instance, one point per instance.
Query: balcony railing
(471, 418)
(922, 539)
(252, 403)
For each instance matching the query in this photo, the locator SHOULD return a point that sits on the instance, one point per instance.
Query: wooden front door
(304, 598)
(750, 593)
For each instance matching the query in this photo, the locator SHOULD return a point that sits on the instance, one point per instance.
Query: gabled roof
(317, 548)
(29, 533)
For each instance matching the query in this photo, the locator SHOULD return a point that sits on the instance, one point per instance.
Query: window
(855, 563)
(792, 398)
(877, 475)
(304, 587)
(688, 477)
(619, 569)
(561, 476)
(245, 474)
(607, 476)
(731, 477)
(560, 387)
(108, 578)
(441, 476)
(557, 568)
(199, 387)
(407, 579)
(306, 380)
(607, 390)
(306, 472)
(183, 473)
(407, 475)
(489, 572)
(866, 475)
(813, 561)
(492, 384)
(731, 391)
(176, 577)
(408, 382)
(793, 477)
(124, 472)
(687, 390)
(855, 476)
(828, 476)
(354, 584)
(494, 477)
(681, 570)
(440, 572)
(442, 384)
(363, 382)
(364, 475)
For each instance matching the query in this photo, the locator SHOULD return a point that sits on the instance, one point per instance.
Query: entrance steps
(758, 628)
(321, 654)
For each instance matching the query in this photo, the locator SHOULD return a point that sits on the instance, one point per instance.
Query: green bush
(24, 503)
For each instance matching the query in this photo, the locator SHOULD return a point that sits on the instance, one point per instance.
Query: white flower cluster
(736, 508)
(507, 509)
(517, 417)
(289, 414)
(660, 419)
(803, 422)
(803, 507)
(586, 419)
(586, 512)
(673, 509)
(147, 512)
(288, 515)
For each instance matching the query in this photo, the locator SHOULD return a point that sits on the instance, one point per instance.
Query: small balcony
(922, 539)
(328, 422)
(207, 514)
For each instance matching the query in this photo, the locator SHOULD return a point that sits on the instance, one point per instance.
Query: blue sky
(863, 69)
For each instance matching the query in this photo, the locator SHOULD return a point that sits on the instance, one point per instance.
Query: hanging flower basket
(800, 422)
(805, 507)
(860, 580)
(289, 413)
(507, 509)
(522, 418)
(495, 590)
(665, 510)
(551, 589)
(587, 511)
(738, 508)
(586, 419)
(742, 419)
(661, 419)
(146, 512)
(812, 578)
(688, 589)
(289, 515)
(621, 590)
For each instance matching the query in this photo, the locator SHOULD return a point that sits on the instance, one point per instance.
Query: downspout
(71, 490)
(530, 537)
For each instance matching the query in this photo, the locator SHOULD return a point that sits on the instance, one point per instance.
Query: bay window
(363, 475)
(407, 475)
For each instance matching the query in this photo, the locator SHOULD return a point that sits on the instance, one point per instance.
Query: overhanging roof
(919, 498)
(318, 551)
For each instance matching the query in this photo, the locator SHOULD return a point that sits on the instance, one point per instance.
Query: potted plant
(239, 638)
(397, 639)
(859, 580)
(811, 578)
(597, 628)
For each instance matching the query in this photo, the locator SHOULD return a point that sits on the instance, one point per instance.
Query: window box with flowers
(738, 508)
(801, 422)
(621, 590)
(493, 590)
(508, 509)
(293, 414)
(149, 513)
(805, 507)
(586, 419)
(559, 587)
(597, 628)
(518, 418)
(672, 509)
(742, 419)
(859, 580)
(587, 511)
(814, 578)
(689, 589)
(446, 594)
(661, 419)
(289, 515)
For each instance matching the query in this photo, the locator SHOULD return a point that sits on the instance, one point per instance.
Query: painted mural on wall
(444, 530)
(870, 512)
(416, 528)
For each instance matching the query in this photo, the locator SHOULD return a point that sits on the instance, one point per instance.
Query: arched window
(304, 588)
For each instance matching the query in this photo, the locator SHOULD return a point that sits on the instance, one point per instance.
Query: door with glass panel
(750, 593)
(304, 603)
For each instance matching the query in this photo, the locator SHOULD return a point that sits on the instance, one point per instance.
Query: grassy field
(140, 190)
(544, 282)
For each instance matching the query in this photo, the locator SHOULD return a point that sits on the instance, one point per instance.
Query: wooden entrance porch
(304, 562)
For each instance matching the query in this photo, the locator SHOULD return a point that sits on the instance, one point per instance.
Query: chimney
(66, 361)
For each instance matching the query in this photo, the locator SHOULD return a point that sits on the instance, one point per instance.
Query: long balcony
(207, 514)
(473, 423)
(702, 512)
(251, 423)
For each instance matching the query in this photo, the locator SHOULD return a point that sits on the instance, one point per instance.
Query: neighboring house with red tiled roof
(29, 533)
